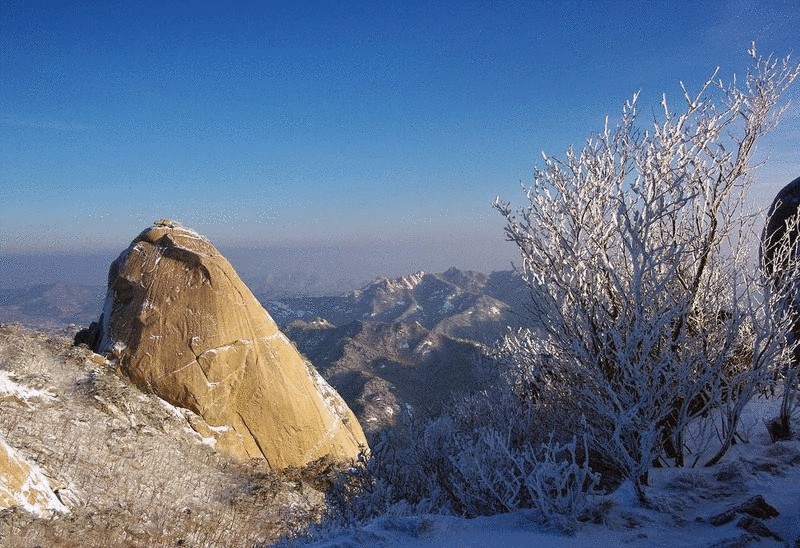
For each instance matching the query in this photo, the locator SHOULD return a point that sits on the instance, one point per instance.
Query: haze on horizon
(367, 139)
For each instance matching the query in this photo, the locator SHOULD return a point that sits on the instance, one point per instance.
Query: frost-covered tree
(653, 321)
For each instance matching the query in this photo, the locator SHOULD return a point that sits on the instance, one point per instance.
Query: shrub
(637, 252)
(484, 456)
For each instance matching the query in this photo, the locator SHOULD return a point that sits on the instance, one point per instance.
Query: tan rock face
(183, 325)
(22, 484)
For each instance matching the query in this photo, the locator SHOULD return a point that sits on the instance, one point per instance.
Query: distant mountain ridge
(51, 307)
(404, 344)
(458, 303)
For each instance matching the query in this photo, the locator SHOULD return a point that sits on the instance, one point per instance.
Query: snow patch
(118, 348)
(212, 442)
(422, 348)
(333, 402)
(177, 412)
(10, 388)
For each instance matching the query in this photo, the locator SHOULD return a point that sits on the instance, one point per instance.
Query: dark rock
(757, 527)
(755, 507)
(729, 472)
(782, 209)
(723, 518)
(758, 508)
(90, 336)
(778, 265)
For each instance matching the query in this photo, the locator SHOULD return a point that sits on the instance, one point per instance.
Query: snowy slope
(684, 501)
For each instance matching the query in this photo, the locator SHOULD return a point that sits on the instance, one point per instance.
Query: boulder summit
(182, 324)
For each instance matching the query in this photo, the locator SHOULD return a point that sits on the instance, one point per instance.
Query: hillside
(385, 369)
(64, 409)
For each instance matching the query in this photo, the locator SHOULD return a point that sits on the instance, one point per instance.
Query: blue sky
(331, 123)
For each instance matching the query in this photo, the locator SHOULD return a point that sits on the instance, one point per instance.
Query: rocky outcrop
(755, 506)
(24, 485)
(783, 208)
(182, 324)
(778, 262)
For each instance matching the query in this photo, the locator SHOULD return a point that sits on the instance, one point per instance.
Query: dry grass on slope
(127, 465)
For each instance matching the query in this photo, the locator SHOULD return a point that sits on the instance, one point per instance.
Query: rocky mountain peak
(409, 282)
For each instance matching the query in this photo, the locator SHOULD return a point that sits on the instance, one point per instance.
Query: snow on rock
(23, 484)
(423, 347)
(391, 285)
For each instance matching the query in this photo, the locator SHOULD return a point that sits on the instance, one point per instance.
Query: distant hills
(404, 344)
(51, 307)
(457, 303)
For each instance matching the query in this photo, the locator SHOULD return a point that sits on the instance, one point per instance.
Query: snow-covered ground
(684, 501)
(10, 388)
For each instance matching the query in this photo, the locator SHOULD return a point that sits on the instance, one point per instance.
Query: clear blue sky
(330, 123)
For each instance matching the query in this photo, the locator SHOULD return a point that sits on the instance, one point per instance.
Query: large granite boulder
(182, 324)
